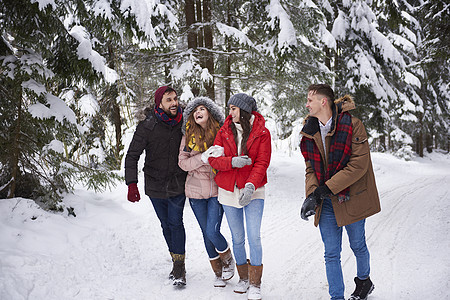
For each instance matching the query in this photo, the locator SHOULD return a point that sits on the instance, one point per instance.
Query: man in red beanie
(159, 134)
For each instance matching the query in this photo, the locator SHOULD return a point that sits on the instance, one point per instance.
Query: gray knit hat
(214, 109)
(244, 102)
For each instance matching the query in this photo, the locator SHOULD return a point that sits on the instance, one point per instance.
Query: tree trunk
(199, 19)
(383, 142)
(16, 148)
(429, 140)
(420, 143)
(117, 120)
(228, 65)
(429, 143)
(209, 58)
(189, 11)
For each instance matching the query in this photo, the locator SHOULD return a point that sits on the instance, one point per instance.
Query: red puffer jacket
(259, 150)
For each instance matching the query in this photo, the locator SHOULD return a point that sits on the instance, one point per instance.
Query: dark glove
(133, 193)
(240, 161)
(245, 197)
(313, 200)
(321, 193)
(308, 207)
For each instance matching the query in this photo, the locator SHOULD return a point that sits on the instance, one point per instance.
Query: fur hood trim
(142, 114)
(345, 103)
(213, 108)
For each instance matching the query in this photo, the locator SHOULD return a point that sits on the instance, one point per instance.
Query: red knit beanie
(159, 94)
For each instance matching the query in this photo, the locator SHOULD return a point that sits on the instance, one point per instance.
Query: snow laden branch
(286, 35)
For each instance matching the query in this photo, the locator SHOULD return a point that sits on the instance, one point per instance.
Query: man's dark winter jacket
(161, 142)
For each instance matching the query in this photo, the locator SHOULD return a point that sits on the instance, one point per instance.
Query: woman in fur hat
(203, 119)
(241, 177)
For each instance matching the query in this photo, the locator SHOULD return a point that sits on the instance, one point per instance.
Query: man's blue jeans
(209, 213)
(170, 214)
(253, 216)
(332, 239)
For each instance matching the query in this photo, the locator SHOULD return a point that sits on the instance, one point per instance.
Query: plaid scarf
(160, 114)
(340, 152)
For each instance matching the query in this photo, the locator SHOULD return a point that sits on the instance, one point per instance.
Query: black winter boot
(363, 289)
(171, 272)
(179, 270)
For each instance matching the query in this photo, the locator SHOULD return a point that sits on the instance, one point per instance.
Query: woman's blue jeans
(170, 214)
(209, 213)
(332, 239)
(253, 216)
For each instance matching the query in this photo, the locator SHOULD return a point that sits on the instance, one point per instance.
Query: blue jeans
(209, 213)
(170, 214)
(332, 239)
(253, 216)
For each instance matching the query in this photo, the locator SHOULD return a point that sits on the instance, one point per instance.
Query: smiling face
(169, 104)
(235, 113)
(201, 115)
(315, 103)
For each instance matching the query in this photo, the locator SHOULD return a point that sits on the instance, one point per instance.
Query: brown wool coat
(358, 174)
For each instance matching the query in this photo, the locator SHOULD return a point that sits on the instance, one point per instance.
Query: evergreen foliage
(72, 74)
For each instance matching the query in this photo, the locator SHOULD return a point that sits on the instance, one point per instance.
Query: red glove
(133, 193)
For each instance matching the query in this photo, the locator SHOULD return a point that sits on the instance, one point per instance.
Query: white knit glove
(213, 151)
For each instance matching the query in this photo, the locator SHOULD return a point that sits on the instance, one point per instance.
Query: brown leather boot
(216, 265)
(255, 274)
(227, 264)
(242, 285)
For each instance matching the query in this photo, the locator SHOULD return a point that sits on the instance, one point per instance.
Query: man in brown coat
(340, 184)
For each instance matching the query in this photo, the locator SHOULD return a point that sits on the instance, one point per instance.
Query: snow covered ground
(114, 249)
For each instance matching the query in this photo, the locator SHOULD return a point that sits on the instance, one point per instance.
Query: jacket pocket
(359, 186)
(358, 204)
(360, 145)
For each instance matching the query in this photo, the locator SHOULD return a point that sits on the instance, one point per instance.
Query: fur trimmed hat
(212, 107)
(244, 102)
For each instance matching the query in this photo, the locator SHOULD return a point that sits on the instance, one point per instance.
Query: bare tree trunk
(16, 148)
(420, 144)
(209, 58)
(228, 64)
(383, 142)
(199, 19)
(117, 120)
(429, 139)
(189, 11)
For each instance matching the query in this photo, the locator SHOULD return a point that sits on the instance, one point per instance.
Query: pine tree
(53, 63)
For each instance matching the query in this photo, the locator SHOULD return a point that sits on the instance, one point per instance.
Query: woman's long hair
(244, 120)
(201, 135)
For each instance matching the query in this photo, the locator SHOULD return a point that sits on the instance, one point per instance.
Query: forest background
(73, 73)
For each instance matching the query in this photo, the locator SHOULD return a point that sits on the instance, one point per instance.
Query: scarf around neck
(160, 114)
(340, 152)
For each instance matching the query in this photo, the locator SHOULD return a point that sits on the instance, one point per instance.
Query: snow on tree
(54, 56)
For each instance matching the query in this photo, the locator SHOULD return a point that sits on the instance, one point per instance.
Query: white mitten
(213, 151)
(217, 151)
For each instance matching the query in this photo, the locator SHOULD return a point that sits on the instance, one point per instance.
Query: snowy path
(115, 250)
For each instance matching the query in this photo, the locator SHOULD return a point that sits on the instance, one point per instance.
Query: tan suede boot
(216, 265)
(242, 286)
(227, 264)
(255, 274)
